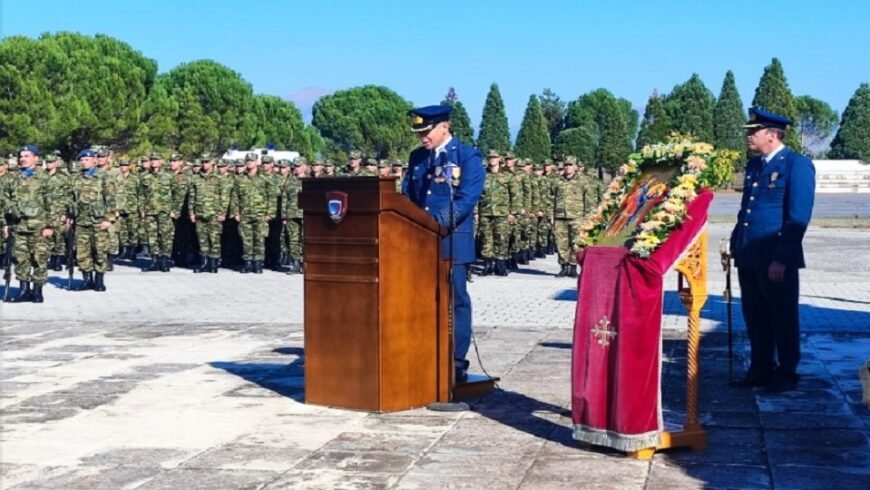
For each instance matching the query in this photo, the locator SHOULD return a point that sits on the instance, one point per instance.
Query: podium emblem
(336, 205)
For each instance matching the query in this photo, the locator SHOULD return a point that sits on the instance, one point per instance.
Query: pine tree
(533, 140)
(853, 137)
(656, 124)
(690, 106)
(729, 118)
(460, 123)
(614, 143)
(579, 142)
(554, 112)
(773, 95)
(494, 133)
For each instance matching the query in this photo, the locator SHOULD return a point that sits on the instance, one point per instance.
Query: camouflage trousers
(114, 239)
(291, 239)
(544, 229)
(530, 231)
(159, 233)
(208, 234)
(253, 234)
(57, 243)
(565, 231)
(520, 234)
(126, 233)
(92, 248)
(494, 233)
(30, 252)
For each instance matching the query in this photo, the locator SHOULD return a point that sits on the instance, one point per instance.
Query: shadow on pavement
(284, 379)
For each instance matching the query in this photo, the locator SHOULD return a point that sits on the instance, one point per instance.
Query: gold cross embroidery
(603, 332)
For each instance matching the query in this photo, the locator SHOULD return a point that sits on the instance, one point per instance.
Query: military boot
(154, 266)
(488, 267)
(215, 265)
(88, 282)
(248, 267)
(145, 252)
(551, 248)
(501, 268)
(99, 284)
(24, 293)
(572, 270)
(258, 267)
(37, 293)
(521, 258)
(563, 272)
(204, 265)
(512, 263)
(110, 262)
(539, 252)
(165, 263)
(55, 263)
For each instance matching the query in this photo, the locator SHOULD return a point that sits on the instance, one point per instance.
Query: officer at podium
(766, 244)
(441, 170)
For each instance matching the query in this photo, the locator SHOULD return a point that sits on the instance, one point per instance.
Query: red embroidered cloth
(616, 358)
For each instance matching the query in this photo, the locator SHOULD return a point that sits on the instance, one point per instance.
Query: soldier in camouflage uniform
(354, 165)
(141, 230)
(383, 168)
(183, 231)
(208, 206)
(250, 204)
(95, 212)
(126, 186)
(545, 211)
(61, 197)
(35, 219)
(229, 229)
(273, 240)
(316, 168)
(329, 169)
(571, 201)
(371, 168)
(530, 223)
(549, 178)
(5, 179)
(493, 211)
(292, 213)
(396, 170)
(518, 211)
(157, 209)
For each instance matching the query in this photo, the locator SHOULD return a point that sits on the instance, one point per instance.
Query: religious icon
(648, 190)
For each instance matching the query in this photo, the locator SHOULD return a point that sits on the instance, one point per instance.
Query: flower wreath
(696, 172)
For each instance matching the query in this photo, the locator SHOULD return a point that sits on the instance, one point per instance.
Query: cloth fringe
(620, 442)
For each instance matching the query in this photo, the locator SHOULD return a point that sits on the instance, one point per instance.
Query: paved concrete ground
(184, 381)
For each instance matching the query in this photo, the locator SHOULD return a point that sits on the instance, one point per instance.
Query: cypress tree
(579, 142)
(656, 124)
(690, 106)
(853, 137)
(494, 133)
(729, 118)
(774, 95)
(533, 140)
(614, 143)
(460, 123)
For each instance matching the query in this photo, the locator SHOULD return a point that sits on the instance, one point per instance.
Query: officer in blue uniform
(444, 168)
(766, 244)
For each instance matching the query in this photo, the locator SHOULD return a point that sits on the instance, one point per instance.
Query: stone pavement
(183, 381)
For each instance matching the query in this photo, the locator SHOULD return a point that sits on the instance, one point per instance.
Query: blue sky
(302, 49)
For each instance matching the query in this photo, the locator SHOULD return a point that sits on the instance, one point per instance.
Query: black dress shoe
(782, 382)
(461, 375)
(752, 381)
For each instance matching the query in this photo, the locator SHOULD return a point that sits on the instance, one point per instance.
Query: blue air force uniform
(774, 214)
(429, 185)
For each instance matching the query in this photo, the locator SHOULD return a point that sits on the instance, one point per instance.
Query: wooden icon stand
(692, 288)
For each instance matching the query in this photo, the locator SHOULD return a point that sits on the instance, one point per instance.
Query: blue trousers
(770, 310)
(462, 316)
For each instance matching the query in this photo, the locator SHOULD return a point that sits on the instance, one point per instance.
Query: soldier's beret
(355, 154)
(268, 159)
(31, 148)
(250, 157)
(425, 118)
(759, 118)
(86, 153)
(371, 161)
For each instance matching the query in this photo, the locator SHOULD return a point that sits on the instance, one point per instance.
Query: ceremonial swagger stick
(725, 257)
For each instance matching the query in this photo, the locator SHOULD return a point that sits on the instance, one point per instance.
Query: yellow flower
(646, 151)
(688, 180)
(703, 148)
(696, 163)
(672, 206)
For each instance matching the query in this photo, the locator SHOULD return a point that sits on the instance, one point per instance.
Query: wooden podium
(376, 298)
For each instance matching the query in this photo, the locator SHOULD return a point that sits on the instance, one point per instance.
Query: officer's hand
(522, 211)
(172, 215)
(237, 217)
(540, 214)
(47, 232)
(511, 219)
(221, 217)
(776, 272)
(105, 225)
(5, 231)
(193, 218)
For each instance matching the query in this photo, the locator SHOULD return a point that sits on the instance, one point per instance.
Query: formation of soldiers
(212, 213)
(531, 209)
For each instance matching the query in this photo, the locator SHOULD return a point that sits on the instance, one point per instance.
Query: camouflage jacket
(28, 202)
(127, 193)
(568, 197)
(251, 197)
(157, 193)
(180, 188)
(209, 197)
(290, 198)
(496, 197)
(60, 193)
(93, 198)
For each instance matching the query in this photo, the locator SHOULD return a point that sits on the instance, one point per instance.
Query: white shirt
(769, 156)
(437, 151)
